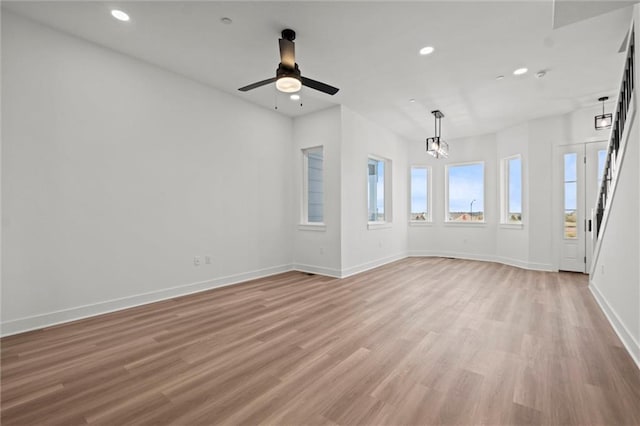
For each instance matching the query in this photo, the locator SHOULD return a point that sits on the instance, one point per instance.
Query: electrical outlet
(196, 261)
(207, 260)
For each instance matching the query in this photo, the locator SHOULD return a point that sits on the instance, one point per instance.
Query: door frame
(558, 200)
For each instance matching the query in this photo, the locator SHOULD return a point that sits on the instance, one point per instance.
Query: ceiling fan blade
(258, 84)
(330, 90)
(287, 53)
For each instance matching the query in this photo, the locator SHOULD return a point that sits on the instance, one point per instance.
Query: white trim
(518, 263)
(49, 319)
(319, 270)
(353, 270)
(41, 321)
(319, 227)
(627, 339)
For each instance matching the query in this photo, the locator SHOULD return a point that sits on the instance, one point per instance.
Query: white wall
(115, 174)
(364, 248)
(318, 249)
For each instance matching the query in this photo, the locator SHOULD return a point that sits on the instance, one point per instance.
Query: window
(570, 196)
(420, 209)
(465, 193)
(602, 159)
(313, 196)
(511, 190)
(379, 189)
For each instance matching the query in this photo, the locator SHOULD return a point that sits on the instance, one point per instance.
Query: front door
(579, 188)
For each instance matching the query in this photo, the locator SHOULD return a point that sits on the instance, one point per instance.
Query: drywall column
(316, 248)
(364, 248)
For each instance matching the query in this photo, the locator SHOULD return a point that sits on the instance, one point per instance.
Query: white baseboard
(319, 270)
(347, 272)
(484, 258)
(49, 319)
(632, 346)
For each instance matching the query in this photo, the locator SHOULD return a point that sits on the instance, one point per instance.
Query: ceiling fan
(288, 78)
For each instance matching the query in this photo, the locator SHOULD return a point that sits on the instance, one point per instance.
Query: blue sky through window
(380, 189)
(418, 190)
(466, 183)
(570, 185)
(602, 157)
(515, 185)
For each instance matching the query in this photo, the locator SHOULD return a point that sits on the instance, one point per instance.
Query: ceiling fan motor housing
(284, 71)
(288, 34)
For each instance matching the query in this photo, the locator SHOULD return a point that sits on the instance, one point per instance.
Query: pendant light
(603, 121)
(435, 145)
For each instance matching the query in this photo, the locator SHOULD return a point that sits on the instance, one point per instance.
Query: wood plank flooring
(419, 341)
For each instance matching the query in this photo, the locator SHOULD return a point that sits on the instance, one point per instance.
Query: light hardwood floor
(419, 341)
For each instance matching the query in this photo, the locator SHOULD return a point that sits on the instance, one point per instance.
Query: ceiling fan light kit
(288, 78)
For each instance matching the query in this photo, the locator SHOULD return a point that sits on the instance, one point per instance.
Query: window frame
(504, 192)
(447, 167)
(388, 214)
(429, 184)
(304, 220)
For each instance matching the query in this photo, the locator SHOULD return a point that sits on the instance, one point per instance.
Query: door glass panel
(570, 196)
(602, 158)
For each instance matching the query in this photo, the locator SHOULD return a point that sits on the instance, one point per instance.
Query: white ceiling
(370, 51)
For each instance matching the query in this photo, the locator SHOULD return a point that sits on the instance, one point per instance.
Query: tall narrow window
(570, 196)
(313, 203)
(420, 193)
(511, 190)
(465, 193)
(379, 190)
(376, 190)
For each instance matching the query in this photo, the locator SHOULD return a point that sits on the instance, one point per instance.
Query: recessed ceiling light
(541, 74)
(520, 71)
(500, 77)
(426, 50)
(412, 100)
(226, 20)
(295, 97)
(120, 15)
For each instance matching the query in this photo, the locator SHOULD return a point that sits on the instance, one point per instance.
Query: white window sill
(319, 227)
(511, 226)
(420, 223)
(466, 224)
(378, 225)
